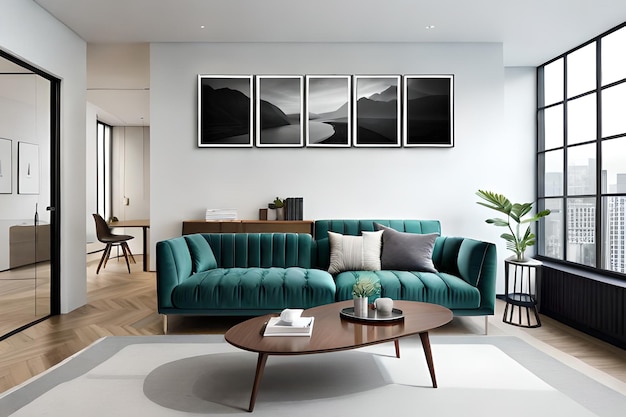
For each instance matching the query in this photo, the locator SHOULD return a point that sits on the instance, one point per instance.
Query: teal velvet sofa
(244, 274)
(465, 277)
(250, 274)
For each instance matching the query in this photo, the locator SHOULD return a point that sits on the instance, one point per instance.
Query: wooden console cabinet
(22, 242)
(247, 226)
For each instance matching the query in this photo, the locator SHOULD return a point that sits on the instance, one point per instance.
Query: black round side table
(521, 285)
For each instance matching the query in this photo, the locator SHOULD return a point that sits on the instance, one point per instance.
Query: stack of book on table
(221, 214)
(294, 208)
(302, 326)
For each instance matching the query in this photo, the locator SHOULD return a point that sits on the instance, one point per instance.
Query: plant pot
(280, 213)
(519, 259)
(360, 306)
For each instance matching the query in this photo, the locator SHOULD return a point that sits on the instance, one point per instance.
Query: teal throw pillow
(201, 253)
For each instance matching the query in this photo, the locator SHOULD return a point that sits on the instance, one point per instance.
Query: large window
(581, 113)
(103, 187)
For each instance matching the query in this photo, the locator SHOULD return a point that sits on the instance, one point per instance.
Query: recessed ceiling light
(430, 26)
(202, 26)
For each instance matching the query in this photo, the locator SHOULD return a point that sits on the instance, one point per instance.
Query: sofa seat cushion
(439, 288)
(255, 288)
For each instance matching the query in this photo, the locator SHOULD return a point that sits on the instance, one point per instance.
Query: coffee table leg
(429, 357)
(260, 367)
(397, 345)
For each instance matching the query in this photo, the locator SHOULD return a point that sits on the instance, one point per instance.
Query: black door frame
(55, 188)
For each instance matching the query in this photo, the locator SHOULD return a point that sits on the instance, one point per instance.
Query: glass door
(26, 209)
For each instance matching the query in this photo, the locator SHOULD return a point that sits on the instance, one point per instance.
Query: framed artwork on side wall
(428, 110)
(6, 166)
(27, 168)
(329, 110)
(225, 111)
(279, 103)
(377, 110)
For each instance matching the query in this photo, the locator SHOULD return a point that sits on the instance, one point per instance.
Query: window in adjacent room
(582, 154)
(103, 193)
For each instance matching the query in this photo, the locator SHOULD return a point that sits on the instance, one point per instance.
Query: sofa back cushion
(355, 227)
(260, 250)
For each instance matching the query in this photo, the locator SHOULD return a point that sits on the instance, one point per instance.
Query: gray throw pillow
(407, 251)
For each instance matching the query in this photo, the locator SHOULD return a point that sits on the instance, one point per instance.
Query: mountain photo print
(225, 111)
(279, 110)
(429, 110)
(328, 104)
(377, 110)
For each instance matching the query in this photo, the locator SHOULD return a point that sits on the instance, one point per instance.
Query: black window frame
(600, 194)
(107, 176)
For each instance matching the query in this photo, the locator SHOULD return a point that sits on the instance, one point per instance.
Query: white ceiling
(531, 31)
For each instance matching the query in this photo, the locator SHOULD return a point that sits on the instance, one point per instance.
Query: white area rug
(203, 375)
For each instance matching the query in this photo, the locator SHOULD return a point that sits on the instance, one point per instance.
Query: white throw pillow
(355, 253)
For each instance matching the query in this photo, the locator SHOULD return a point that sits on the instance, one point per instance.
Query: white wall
(336, 183)
(91, 174)
(520, 129)
(118, 77)
(131, 179)
(30, 33)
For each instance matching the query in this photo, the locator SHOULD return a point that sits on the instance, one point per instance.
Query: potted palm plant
(517, 239)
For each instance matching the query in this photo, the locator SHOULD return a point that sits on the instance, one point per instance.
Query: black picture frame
(428, 118)
(377, 111)
(279, 107)
(329, 111)
(225, 111)
(27, 168)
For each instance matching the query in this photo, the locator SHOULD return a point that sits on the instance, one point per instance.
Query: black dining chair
(104, 234)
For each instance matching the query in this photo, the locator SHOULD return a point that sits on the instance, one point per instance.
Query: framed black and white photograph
(225, 112)
(428, 110)
(279, 110)
(27, 168)
(328, 107)
(377, 110)
(6, 166)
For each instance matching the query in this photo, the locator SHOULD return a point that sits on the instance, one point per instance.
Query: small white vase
(360, 306)
(383, 306)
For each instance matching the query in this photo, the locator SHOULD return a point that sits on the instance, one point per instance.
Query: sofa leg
(164, 323)
(486, 325)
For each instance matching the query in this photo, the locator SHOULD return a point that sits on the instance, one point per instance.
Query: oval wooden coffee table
(333, 333)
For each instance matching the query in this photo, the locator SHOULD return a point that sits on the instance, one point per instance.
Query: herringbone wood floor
(125, 304)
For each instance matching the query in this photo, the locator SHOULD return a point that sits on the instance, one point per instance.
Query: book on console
(276, 327)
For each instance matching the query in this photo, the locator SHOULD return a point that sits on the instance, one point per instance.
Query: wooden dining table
(145, 225)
